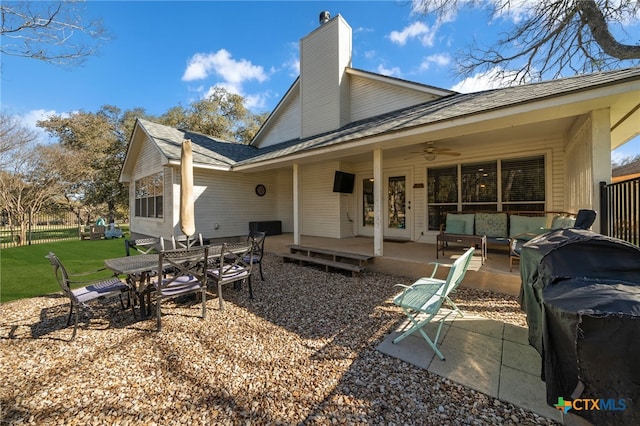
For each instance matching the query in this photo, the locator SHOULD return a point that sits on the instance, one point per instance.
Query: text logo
(590, 404)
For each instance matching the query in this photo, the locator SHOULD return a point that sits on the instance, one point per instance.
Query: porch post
(378, 199)
(600, 156)
(297, 187)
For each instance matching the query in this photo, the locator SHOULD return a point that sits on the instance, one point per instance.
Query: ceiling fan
(430, 151)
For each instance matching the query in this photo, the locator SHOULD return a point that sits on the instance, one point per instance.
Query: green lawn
(25, 272)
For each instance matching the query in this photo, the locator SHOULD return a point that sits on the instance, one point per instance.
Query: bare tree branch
(54, 32)
(553, 36)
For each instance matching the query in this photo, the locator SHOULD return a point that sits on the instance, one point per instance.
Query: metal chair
(257, 238)
(184, 242)
(425, 297)
(188, 275)
(233, 265)
(91, 289)
(144, 245)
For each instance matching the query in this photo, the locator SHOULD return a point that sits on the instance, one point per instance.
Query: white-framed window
(498, 185)
(149, 192)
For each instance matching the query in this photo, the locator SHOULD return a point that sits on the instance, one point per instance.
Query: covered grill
(581, 293)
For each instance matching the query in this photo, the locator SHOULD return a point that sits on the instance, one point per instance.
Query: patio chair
(585, 218)
(233, 265)
(188, 275)
(257, 238)
(144, 245)
(422, 300)
(183, 242)
(103, 288)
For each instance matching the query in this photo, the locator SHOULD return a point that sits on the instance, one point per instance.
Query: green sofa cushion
(563, 222)
(521, 225)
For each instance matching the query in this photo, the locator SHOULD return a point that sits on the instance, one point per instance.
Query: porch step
(353, 262)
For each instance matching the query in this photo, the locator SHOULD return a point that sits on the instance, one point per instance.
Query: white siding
(149, 162)
(284, 127)
(320, 205)
(370, 98)
(579, 177)
(324, 54)
(228, 199)
(284, 199)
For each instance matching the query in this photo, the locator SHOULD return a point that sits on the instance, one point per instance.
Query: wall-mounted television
(343, 182)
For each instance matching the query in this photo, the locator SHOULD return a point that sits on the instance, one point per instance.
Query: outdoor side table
(469, 240)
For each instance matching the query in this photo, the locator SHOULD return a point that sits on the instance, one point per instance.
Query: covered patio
(411, 259)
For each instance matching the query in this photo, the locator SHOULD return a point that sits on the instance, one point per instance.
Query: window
(523, 184)
(367, 202)
(149, 196)
(442, 193)
(502, 185)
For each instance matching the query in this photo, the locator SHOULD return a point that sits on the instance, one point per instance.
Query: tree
(221, 115)
(552, 37)
(97, 144)
(27, 182)
(14, 137)
(54, 32)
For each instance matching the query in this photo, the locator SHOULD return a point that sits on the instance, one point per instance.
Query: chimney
(324, 17)
(324, 85)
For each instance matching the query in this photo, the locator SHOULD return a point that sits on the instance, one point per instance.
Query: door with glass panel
(396, 209)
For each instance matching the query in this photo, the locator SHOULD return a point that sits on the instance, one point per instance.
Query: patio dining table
(140, 268)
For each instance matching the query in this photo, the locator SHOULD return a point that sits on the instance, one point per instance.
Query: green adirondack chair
(425, 297)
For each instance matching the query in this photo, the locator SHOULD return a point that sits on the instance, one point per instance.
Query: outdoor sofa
(504, 229)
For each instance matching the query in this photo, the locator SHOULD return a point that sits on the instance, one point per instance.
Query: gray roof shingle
(208, 150)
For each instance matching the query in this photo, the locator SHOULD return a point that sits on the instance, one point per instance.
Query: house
(412, 151)
(626, 171)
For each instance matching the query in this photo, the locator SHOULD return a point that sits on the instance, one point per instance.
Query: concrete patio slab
(527, 391)
(482, 354)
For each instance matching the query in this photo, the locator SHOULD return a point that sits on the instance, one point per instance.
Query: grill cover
(581, 293)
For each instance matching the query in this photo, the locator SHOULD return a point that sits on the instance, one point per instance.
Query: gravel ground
(301, 352)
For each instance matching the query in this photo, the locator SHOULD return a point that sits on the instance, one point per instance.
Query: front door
(397, 208)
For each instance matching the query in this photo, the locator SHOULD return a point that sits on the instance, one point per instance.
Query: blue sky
(168, 53)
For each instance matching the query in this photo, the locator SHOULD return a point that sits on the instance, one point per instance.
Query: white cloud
(516, 10)
(202, 65)
(30, 119)
(293, 65)
(392, 72)
(256, 102)
(440, 59)
(370, 54)
(232, 74)
(416, 30)
(492, 79)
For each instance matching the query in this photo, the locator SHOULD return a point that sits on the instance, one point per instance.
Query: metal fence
(39, 228)
(620, 209)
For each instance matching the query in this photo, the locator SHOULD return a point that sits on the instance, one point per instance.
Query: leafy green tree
(221, 115)
(97, 142)
(549, 36)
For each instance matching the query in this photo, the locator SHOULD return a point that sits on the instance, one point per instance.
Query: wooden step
(327, 263)
(361, 259)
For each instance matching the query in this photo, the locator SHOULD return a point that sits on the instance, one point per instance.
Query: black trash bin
(581, 294)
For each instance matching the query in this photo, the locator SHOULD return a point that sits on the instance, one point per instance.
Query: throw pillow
(467, 218)
(491, 224)
(455, 227)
